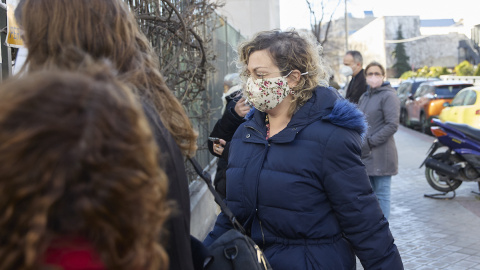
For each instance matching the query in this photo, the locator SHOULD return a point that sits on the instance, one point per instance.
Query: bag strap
(208, 180)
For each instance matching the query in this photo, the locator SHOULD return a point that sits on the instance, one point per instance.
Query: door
(454, 113)
(468, 113)
(417, 103)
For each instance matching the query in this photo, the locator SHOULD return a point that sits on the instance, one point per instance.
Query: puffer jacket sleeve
(355, 205)
(390, 106)
(226, 126)
(222, 225)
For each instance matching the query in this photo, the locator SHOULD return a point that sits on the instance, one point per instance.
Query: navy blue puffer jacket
(304, 194)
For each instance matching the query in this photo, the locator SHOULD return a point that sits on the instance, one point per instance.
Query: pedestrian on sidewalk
(233, 115)
(57, 33)
(381, 107)
(80, 187)
(295, 179)
(353, 66)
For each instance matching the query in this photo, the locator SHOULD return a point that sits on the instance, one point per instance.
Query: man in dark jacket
(353, 60)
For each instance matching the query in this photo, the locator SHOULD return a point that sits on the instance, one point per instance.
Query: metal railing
(470, 79)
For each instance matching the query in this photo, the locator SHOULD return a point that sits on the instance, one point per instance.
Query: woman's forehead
(260, 59)
(375, 68)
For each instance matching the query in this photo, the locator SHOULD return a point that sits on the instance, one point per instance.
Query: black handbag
(234, 249)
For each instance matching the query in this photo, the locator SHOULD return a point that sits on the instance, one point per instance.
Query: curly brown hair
(103, 29)
(77, 158)
(290, 50)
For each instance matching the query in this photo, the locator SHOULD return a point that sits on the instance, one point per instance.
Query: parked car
(406, 89)
(464, 108)
(428, 100)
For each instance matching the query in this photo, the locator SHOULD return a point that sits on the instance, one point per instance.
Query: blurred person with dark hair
(233, 115)
(333, 83)
(379, 154)
(80, 187)
(295, 179)
(107, 29)
(353, 66)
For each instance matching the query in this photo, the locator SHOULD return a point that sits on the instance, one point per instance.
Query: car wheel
(424, 125)
(406, 121)
(402, 112)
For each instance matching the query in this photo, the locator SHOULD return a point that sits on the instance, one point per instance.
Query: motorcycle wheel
(439, 181)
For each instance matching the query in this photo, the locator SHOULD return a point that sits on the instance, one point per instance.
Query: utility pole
(346, 27)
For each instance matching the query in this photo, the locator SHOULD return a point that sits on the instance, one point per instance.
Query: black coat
(178, 226)
(224, 129)
(356, 87)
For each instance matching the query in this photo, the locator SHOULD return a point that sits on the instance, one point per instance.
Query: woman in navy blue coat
(295, 177)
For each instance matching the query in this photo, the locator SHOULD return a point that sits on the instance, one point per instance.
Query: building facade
(377, 41)
(251, 16)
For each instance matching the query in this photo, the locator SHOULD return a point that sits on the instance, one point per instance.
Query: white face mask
(266, 94)
(346, 71)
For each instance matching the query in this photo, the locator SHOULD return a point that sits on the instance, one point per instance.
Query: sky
(295, 13)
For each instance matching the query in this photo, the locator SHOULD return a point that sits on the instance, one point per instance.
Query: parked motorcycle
(446, 170)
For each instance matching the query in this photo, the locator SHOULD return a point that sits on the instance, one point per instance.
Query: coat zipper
(261, 229)
(256, 200)
(254, 129)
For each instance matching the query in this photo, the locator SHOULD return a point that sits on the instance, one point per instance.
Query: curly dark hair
(77, 157)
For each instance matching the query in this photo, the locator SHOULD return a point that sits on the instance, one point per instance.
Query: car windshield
(415, 86)
(448, 90)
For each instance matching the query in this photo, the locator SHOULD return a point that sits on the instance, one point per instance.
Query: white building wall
(428, 31)
(370, 42)
(252, 16)
(434, 50)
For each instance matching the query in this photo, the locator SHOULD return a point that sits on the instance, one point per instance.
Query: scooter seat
(466, 129)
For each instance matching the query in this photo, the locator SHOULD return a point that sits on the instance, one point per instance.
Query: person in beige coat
(381, 107)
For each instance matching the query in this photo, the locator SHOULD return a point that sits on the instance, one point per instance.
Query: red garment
(73, 253)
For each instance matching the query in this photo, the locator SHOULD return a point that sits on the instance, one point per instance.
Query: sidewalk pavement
(430, 233)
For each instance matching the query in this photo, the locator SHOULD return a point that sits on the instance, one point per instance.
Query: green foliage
(477, 71)
(400, 55)
(408, 74)
(464, 69)
(430, 72)
(438, 71)
(423, 72)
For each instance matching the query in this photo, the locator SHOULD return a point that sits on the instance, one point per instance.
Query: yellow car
(464, 108)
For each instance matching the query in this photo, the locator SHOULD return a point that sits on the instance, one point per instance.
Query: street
(431, 233)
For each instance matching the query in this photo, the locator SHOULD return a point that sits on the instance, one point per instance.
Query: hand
(219, 147)
(241, 108)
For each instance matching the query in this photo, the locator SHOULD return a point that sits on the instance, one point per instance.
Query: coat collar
(325, 104)
(385, 86)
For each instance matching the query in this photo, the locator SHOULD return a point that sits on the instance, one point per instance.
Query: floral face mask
(266, 94)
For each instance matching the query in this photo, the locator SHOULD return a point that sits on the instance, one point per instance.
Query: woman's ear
(294, 78)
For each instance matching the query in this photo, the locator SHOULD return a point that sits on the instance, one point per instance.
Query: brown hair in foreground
(77, 158)
(103, 29)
